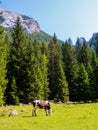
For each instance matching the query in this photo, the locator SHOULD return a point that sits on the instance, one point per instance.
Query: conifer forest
(31, 69)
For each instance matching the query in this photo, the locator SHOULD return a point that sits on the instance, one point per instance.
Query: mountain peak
(8, 19)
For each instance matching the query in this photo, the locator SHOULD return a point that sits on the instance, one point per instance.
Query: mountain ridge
(8, 19)
(30, 25)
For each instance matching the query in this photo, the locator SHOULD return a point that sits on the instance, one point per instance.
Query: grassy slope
(65, 117)
(42, 36)
(39, 36)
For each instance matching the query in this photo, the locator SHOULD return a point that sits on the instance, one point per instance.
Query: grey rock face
(8, 19)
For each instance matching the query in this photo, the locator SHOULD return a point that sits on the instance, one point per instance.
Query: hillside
(30, 26)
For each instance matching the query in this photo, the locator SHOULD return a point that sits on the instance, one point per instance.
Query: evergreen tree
(95, 66)
(11, 92)
(70, 41)
(28, 70)
(44, 68)
(83, 84)
(94, 81)
(71, 68)
(85, 54)
(62, 88)
(95, 96)
(45, 90)
(57, 80)
(3, 61)
(37, 75)
(78, 52)
(16, 63)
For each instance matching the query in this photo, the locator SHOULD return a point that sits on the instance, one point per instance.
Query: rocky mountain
(93, 40)
(31, 26)
(8, 19)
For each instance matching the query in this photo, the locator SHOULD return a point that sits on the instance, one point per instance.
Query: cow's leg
(47, 112)
(34, 112)
(48, 109)
(50, 112)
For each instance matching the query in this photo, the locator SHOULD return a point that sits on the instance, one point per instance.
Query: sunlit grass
(64, 117)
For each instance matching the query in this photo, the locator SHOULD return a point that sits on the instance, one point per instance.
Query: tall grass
(64, 117)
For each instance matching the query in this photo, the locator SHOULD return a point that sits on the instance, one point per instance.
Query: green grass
(64, 117)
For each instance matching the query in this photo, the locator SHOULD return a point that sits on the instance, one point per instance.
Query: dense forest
(31, 69)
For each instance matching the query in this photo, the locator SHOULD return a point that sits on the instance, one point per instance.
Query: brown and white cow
(42, 104)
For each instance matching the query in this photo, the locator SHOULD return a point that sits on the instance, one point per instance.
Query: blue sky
(66, 18)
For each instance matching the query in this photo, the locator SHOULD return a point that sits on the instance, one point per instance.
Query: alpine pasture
(64, 117)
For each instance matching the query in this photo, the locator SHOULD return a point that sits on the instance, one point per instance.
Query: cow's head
(36, 103)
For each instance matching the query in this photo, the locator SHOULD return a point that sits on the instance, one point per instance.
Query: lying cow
(42, 104)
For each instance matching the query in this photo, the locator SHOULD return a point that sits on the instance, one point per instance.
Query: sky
(66, 18)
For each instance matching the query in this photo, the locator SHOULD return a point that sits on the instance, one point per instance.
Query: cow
(42, 104)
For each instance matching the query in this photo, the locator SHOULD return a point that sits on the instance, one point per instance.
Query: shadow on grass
(29, 116)
(26, 116)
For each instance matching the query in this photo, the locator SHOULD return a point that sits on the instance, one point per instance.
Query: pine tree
(37, 75)
(62, 88)
(11, 92)
(95, 96)
(16, 62)
(57, 80)
(70, 69)
(94, 77)
(36, 72)
(83, 84)
(95, 66)
(78, 52)
(27, 72)
(3, 61)
(83, 53)
(44, 68)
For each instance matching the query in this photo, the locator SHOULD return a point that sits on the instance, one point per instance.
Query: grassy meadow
(64, 117)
